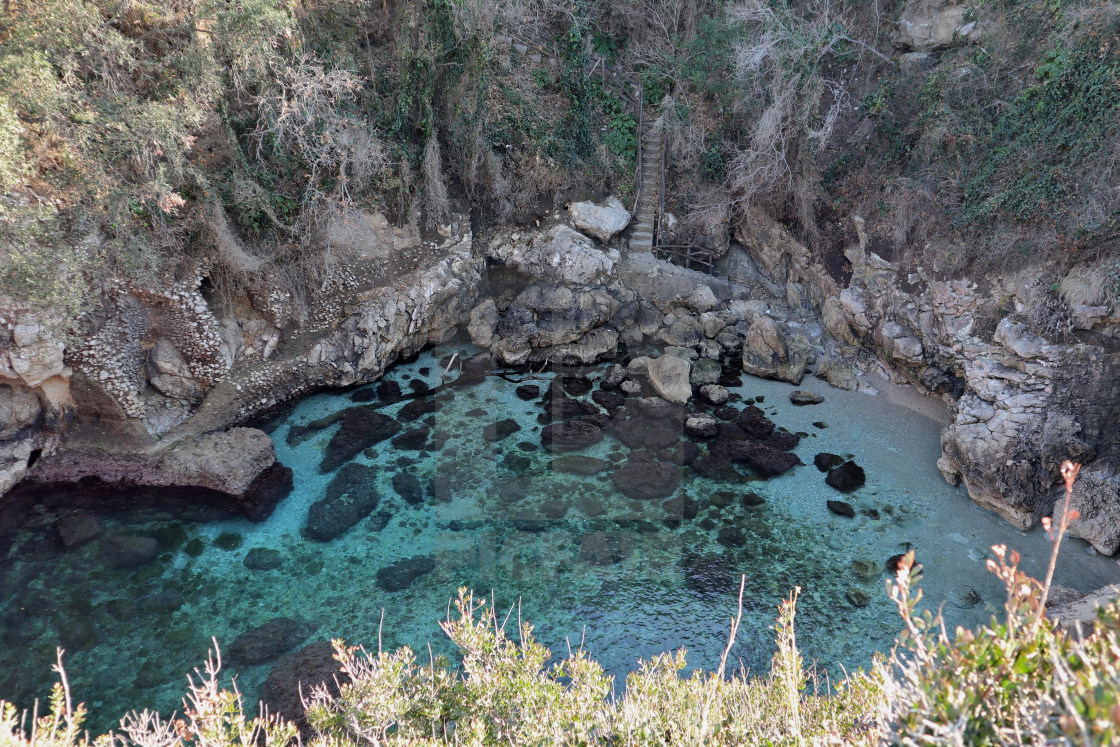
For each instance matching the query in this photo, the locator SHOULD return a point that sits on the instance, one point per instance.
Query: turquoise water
(567, 552)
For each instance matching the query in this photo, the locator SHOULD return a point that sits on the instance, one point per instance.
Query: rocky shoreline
(151, 394)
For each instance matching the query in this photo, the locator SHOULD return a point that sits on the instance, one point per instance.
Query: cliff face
(1019, 403)
(147, 394)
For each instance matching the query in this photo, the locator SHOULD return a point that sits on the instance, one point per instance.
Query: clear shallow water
(581, 560)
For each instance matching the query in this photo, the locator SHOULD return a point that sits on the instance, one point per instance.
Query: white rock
(601, 221)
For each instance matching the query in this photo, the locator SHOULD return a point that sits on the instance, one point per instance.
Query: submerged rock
(682, 506)
(576, 464)
(840, 508)
(570, 436)
(608, 400)
(709, 574)
(803, 397)
(825, 461)
(605, 548)
(501, 430)
(359, 429)
(268, 641)
(527, 392)
(846, 478)
(576, 385)
(646, 481)
(401, 574)
(782, 440)
(763, 459)
(408, 487)
(754, 423)
(297, 674)
(411, 440)
(351, 496)
(123, 551)
(262, 559)
(77, 529)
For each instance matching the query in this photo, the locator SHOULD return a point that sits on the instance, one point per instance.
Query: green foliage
(1031, 161)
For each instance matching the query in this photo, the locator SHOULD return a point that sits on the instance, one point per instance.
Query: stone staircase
(645, 217)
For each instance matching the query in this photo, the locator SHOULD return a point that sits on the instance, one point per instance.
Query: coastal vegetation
(1018, 680)
(140, 140)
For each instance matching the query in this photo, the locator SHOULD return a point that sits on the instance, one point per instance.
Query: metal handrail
(638, 169)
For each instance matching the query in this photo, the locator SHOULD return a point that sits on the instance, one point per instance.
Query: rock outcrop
(1019, 403)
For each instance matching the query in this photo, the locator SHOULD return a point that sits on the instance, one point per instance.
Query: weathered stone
(484, 320)
(714, 393)
(685, 332)
(669, 376)
(964, 596)
(766, 353)
(601, 221)
(704, 371)
(1097, 502)
(701, 425)
(840, 508)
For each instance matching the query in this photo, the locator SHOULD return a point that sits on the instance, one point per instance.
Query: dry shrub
(437, 206)
(1084, 285)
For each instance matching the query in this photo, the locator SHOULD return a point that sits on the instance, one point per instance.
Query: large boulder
(562, 256)
(484, 320)
(601, 221)
(669, 376)
(925, 26)
(768, 354)
(170, 373)
(545, 316)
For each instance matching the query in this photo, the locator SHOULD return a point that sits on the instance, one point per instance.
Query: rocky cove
(610, 437)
